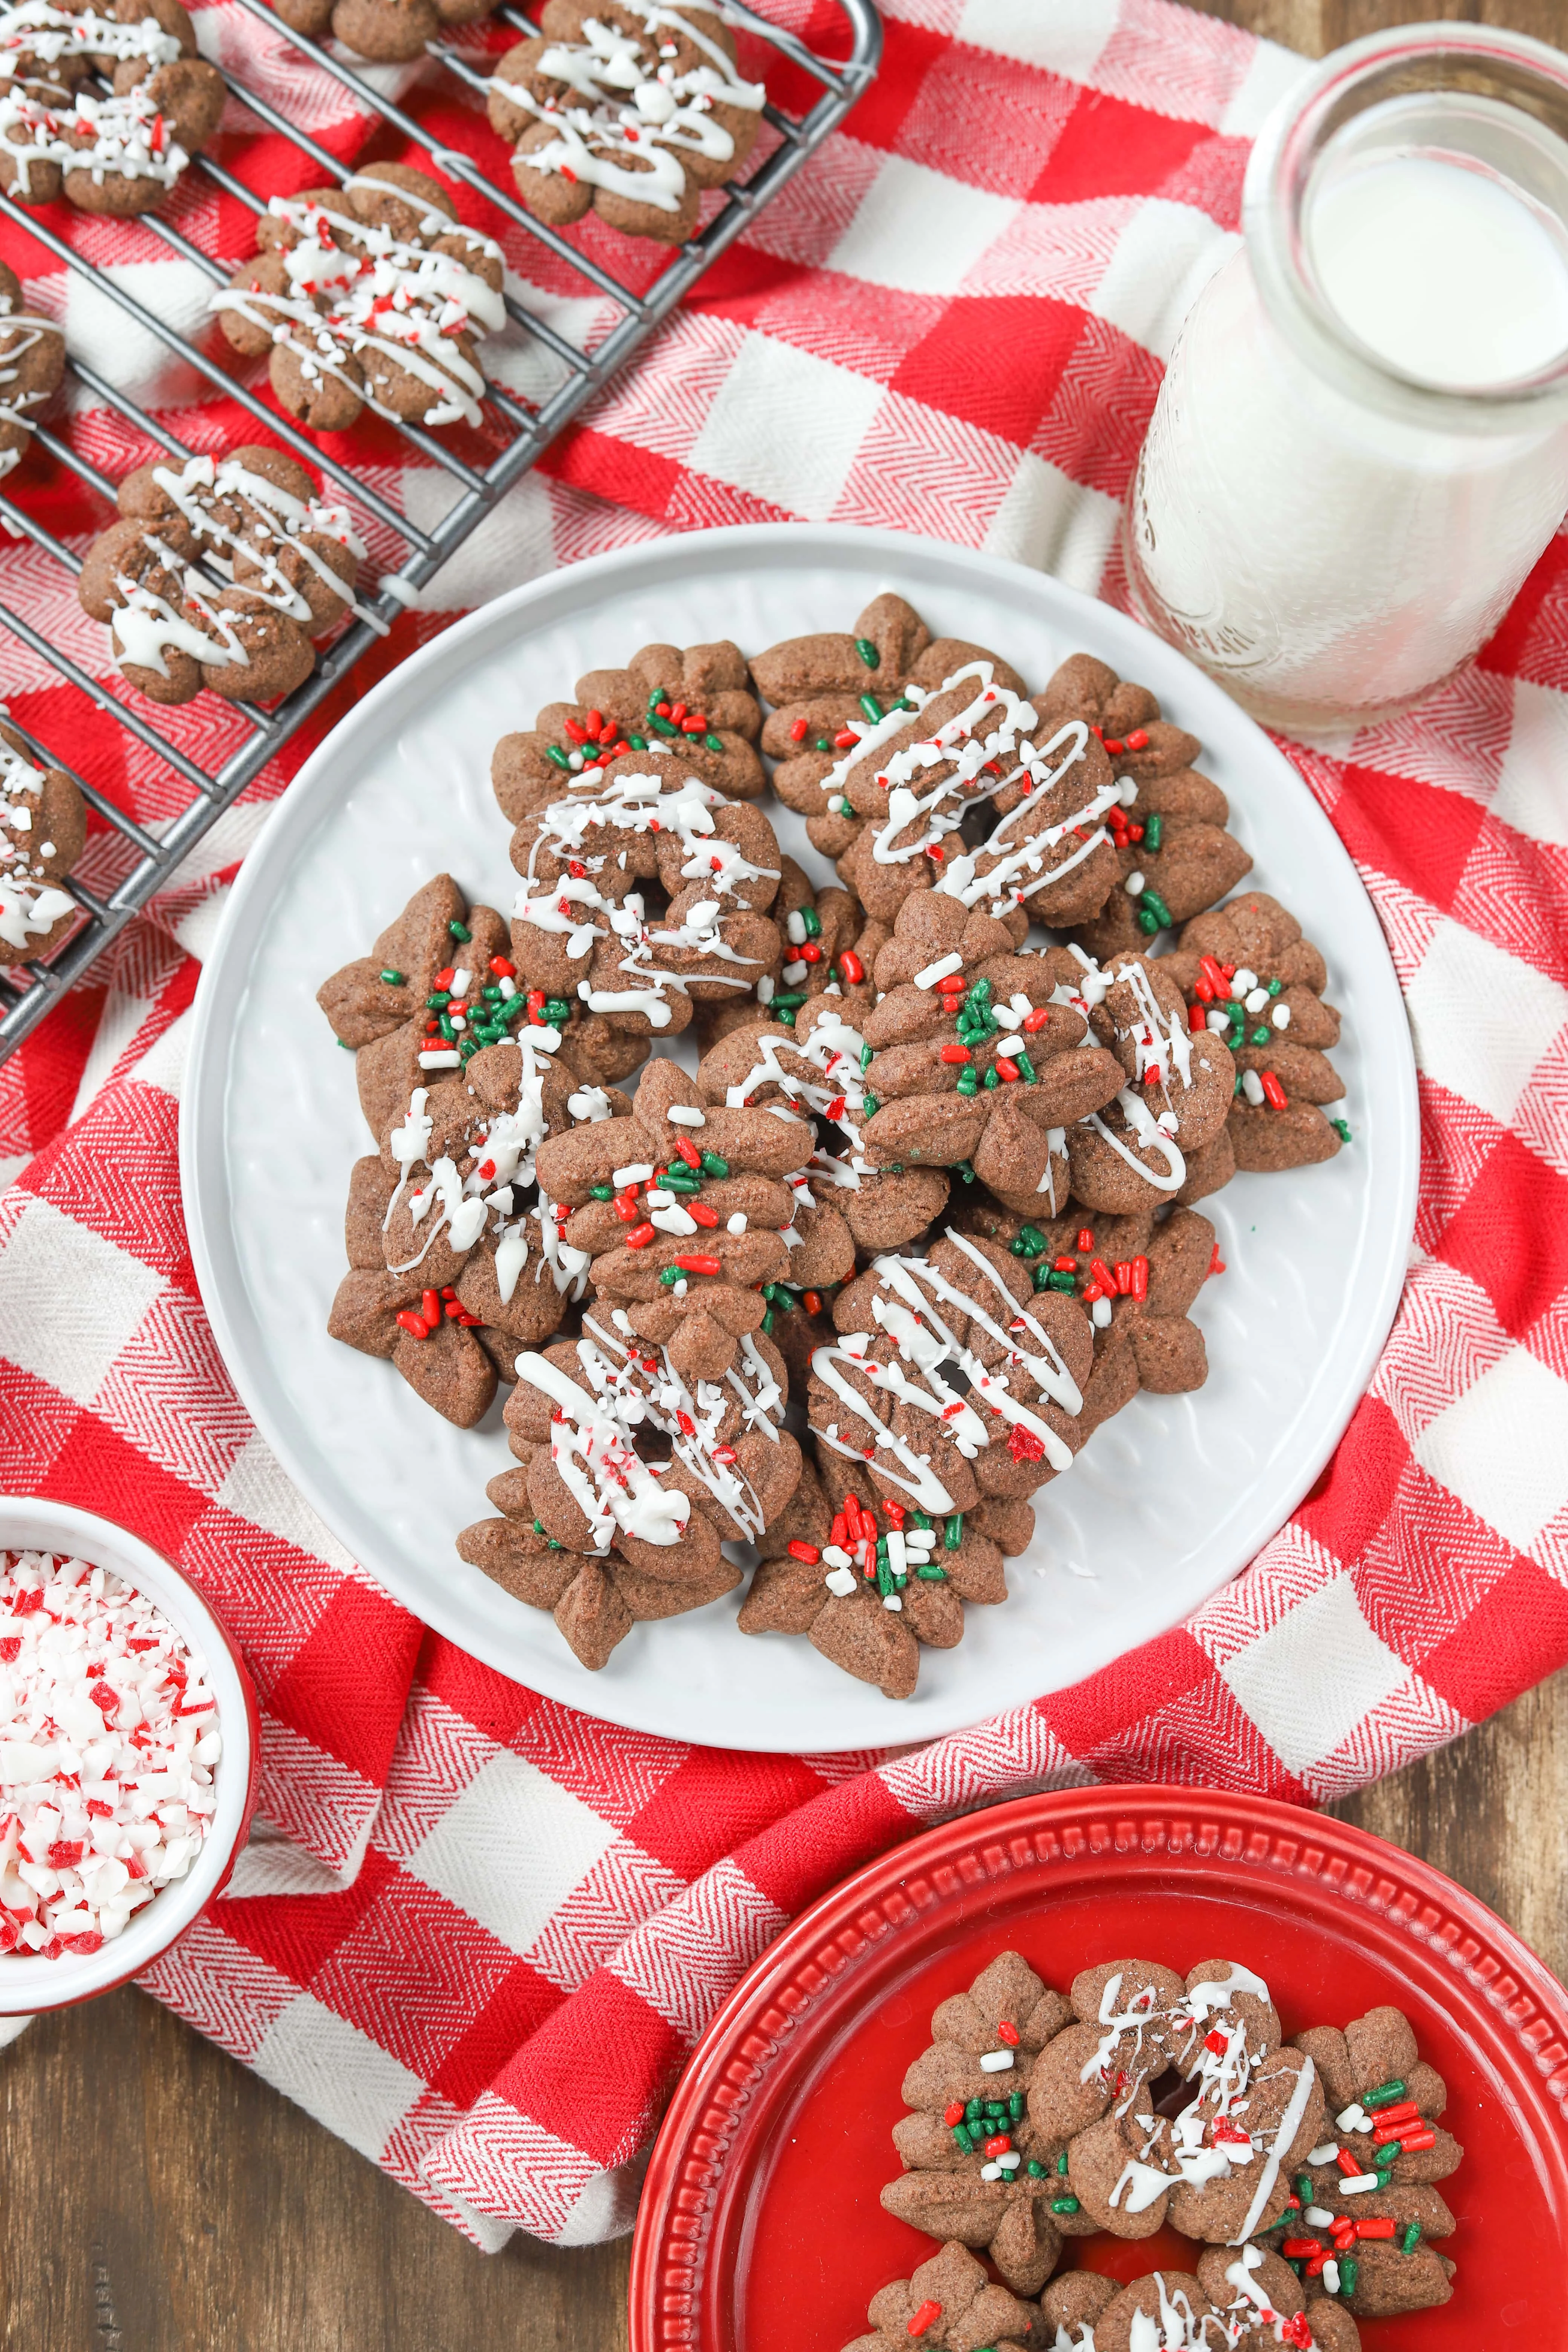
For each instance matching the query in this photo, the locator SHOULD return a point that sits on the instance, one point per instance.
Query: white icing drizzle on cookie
(609, 1482)
(638, 803)
(274, 523)
(831, 1046)
(29, 904)
(691, 1421)
(44, 121)
(20, 333)
(377, 292)
(926, 1342)
(635, 113)
(1177, 2329)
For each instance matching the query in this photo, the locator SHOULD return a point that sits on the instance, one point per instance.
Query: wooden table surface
(158, 2198)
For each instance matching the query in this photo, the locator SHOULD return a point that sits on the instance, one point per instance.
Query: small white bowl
(29, 1983)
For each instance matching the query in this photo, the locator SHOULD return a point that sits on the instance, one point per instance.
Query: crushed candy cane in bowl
(127, 1755)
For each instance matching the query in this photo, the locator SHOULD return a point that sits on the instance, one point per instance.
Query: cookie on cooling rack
(368, 296)
(627, 111)
(43, 825)
(219, 574)
(32, 361)
(387, 31)
(117, 149)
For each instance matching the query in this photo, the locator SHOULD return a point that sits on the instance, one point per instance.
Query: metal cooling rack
(525, 431)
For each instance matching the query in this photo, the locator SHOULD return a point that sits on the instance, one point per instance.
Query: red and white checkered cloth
(474, 1902)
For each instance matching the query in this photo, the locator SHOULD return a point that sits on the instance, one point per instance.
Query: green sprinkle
(1035, 2169)
(973, 2111)
(1384, 2097)
(865, 1059)
(1026, 1067)
(1349, 2267)
(1063, 2204)
(811, 922)
(637, 743)
(1411, 2240)
(786, 1015)
(1151, 833)
(1298, 2265)
(439, 1001)
(768, 1322)
(346, 1046)
(676, 1183)
(448, 1030)
(713, 1166)
(467, 1047)
(395, 978)
(873, 707)
(670, 1275)
(868, 653)
(991, 1079)
(953, 1533)
(1342, 1128)
(1015, 2107)
(603, 1192)
(981, 992)
(490, 994)
(459, 930)
(961, 2137)
(871, 1106)
(662, 726)
(1260, 1034)
(920, 1518)
(1030, 1242)
(884, 1579)
(781, 1298)
(965, 1172)
(539, 1526)
(660, 694)
(1276, 988)
(1062, 2165)
(557, 1011)
(787, 998)
(555, 1546)
(1237, 1088)
(931, 1575)
(554, 752)
(714, 742)
(1064, 1282)
(837, 805)
(1148, 921)
(1153, 905)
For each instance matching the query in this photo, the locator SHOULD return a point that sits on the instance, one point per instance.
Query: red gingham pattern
(480, 1932)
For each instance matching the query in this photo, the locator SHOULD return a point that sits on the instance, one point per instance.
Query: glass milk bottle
(1361, 446)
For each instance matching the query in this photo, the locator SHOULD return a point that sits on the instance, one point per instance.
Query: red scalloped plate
(759, 2229)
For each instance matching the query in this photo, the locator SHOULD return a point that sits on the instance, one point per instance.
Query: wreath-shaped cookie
(373, 295)
(219, 574)
(31, 362)
(43, 830)
(117, 151)
(627, 109)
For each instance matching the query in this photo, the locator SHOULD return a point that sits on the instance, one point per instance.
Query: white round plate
(1168, 1501)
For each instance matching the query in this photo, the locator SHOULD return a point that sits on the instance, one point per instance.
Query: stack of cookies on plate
(921, 1176)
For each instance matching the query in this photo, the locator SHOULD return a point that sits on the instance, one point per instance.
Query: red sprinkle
(998, 2144)
(799, 1551)
(430, 1307)
(688, 1152)
(1005, 1070)
(502, 969)
(812, 1301)
(1140, 1271)
(1085, 1237)
(926, 2317)
(956, 1053)
(1138, 740)
(954, 2114)
(1374, 2229)
(1039, 1019)
(702, 1211)
(640, 1236)
(1273, 1092)
(799, 731)
(1216, 1264)
(1102, 1274)
(1411, 2141)
(697, 1265)
(414, 1325)
(850, 965)
(1008, 2032)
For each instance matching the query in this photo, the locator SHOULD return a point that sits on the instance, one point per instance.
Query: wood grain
(160, 2198)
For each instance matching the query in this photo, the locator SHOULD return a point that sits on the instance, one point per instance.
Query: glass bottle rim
(1402, 61)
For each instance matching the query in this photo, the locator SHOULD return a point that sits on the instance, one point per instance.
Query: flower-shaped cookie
(596, 1531)
(368, 296)
(388, 32)
(947, 2304)
(975, 2168)
(32, 361)
(626, 109)
(118, 150)
(43, 829)
(1252, 979)
(692, 709)
(219, 574)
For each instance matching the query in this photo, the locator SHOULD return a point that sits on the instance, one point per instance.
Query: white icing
(29, 904)
(91, 130)
(607, 1479)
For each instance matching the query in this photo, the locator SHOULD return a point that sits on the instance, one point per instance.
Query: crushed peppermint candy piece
(108, 1736)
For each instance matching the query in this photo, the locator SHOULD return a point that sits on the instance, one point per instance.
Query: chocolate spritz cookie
(103, 103)
(1242, 2301)
(456, 1253)
(626, 109)
(219, 574)
(947, 2304)
(43, 828)
(595, 867)
(32, 361)
(1250, 977)
(691, 710)
(387, 31)
(368, 296)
